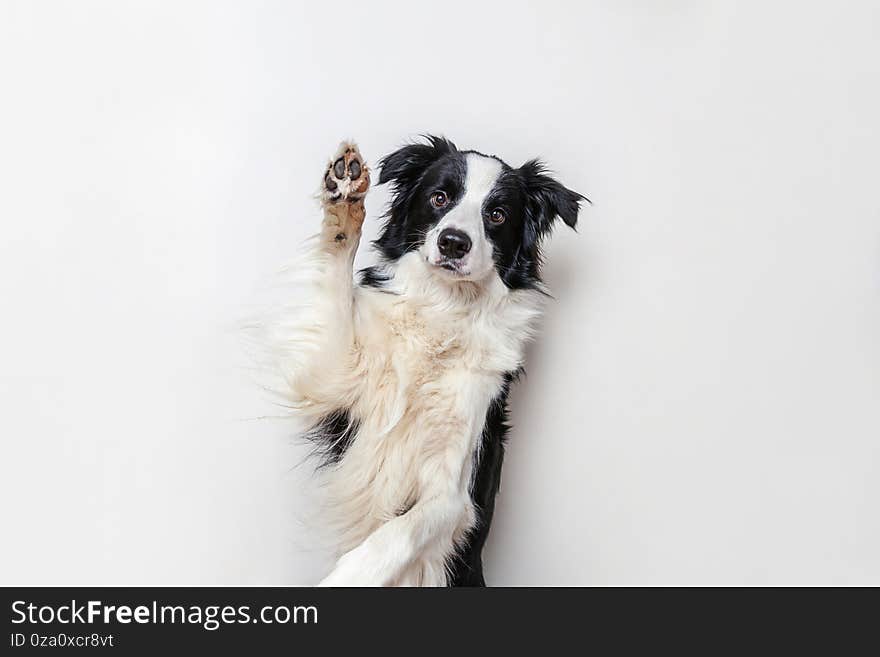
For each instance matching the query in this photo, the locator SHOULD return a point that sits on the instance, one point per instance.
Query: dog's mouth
(452, 266)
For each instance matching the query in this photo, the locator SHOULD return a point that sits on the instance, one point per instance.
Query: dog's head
(469, 214)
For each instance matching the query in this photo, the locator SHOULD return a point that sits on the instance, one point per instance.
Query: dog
(402, 372)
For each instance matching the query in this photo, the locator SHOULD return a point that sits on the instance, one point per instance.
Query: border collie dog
(403, 374)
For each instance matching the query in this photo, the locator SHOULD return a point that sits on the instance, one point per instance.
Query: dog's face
(469, 215)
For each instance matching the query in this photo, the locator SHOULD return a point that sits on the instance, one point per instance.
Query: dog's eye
(497, 216)
(439, 199)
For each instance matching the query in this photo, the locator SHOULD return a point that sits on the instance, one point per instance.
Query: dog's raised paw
(347, 177)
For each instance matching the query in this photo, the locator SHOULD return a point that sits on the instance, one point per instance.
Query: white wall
(703, 406)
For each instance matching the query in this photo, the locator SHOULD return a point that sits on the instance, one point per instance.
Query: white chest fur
(428, 359)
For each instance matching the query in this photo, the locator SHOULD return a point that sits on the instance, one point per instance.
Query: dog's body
(404, 375)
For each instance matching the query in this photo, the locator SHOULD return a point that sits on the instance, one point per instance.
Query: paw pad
(347, 177)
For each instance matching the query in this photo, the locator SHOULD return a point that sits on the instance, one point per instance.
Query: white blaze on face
(467, 216)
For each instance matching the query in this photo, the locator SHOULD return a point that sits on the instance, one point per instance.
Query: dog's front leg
(317, 341)
(420, 539)
(412, 547)
(427, 528)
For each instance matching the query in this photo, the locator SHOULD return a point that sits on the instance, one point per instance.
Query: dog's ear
(404, 166)
(548, 198)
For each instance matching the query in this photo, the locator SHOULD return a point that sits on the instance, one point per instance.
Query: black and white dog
(404, 375)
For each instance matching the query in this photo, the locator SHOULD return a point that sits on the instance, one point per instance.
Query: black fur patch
(466, 567)
(373, 277)
(332, 435)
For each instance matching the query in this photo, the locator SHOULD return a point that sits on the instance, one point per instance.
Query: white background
(703, 406)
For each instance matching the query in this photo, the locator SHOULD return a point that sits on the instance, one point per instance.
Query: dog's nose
(453, 243)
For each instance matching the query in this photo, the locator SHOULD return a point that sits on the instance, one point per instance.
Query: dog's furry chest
(422, 378)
